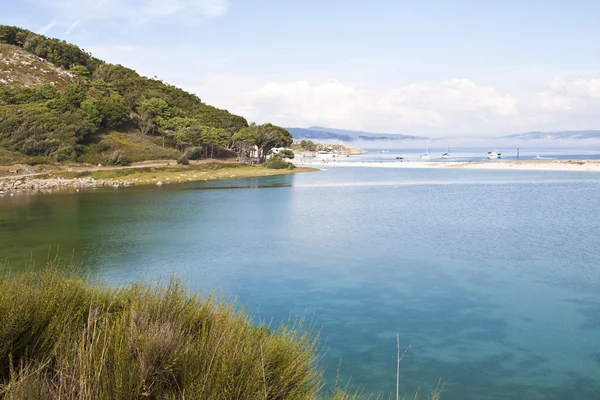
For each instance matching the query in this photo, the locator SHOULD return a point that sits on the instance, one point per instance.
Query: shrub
(277, 163)
(63, 153)
(37, 160)
(194, 153)
(183, 160)
(117, 158)
(81, 71)
(285, 153)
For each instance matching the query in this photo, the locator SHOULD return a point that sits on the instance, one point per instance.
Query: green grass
(133, 145)
(62, 337)
(10, 157)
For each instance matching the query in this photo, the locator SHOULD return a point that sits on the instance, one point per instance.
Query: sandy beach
(528, 165)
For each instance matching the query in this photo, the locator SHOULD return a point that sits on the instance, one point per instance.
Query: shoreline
(138, 175)
(500, 165)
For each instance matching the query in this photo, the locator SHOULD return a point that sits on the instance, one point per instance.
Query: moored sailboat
(426, 155)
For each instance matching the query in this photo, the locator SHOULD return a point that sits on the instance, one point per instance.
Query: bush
(61, 337)
(183, 160)
(63, 153)
(285, 153)
(194, 153)
(38, 160)
(117, 158)
(277, 163)
(81, 71)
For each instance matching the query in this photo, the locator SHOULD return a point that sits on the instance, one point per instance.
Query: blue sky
(426, 67)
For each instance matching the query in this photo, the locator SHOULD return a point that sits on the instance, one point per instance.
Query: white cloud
(301, 100)
(46, 28)
(562, 95)
(430, 106)
(71, 27)
(140, 11)
(583, 88)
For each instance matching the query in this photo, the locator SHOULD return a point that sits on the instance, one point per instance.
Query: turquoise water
(492, 277)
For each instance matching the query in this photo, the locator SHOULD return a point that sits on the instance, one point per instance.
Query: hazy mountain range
(321, 133)
(573, 135)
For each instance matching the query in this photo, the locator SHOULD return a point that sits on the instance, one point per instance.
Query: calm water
(492, 277)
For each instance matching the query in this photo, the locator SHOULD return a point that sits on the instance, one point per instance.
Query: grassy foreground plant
(64, 338)
(61, 337)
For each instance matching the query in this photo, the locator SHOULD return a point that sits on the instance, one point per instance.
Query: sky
(429, 67)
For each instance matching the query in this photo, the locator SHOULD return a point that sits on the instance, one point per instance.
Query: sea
(490, 278)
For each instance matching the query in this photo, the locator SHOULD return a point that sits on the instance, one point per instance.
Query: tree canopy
(263, 138)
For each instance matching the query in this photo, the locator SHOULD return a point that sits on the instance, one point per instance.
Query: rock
(159, 183)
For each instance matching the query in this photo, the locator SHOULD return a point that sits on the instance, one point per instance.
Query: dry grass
(198, 171)
(133, 145)
(61, 337)
(10, 157)
(18, 67)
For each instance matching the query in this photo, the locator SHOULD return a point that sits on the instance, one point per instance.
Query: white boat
(426, 155)
(447, 153)
(324, 152)
(492, 155)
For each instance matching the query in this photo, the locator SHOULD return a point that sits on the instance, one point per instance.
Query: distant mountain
(322, 133)
(308, 134)
(367, 135)
(318, 132)
(572, 135)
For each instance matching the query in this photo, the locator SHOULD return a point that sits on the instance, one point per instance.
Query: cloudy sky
(445, 67)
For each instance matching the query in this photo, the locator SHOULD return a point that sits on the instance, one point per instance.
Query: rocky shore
(13, 186)
(49, 182)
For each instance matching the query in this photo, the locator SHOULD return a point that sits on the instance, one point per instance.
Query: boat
(492, 155)
(447, 153)
(426, 155)
(399, 158)
(324, 152)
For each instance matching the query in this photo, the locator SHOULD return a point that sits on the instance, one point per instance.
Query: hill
(58, 103)
(572, 135)
(320, 133)
(360, 135)
(308, 134)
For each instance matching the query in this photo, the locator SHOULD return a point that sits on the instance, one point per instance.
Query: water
(492, 277)
(388, 155)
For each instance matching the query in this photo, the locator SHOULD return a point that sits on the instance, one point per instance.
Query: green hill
(58, 103)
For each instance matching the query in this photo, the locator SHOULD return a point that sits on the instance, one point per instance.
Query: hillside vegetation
(58, 103)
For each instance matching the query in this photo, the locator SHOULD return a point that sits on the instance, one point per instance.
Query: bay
(491, 277)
